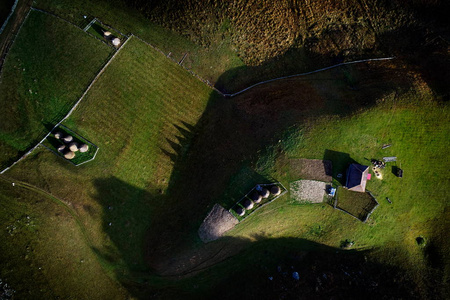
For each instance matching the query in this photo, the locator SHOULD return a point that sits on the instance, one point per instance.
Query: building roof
(357, 177)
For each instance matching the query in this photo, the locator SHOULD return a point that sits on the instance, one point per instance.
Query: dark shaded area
(340, 161)
(5, 10)
(98, 29)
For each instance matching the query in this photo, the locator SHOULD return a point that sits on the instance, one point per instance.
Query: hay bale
(69, 155)
(256, 197)
(265, 193)
(240, 211)
(217, 222)
(61, 148)
(58, 135)
(67, 139)
(83, 148)
(248, 204)
(116, 42)
(73, 147)
(275, 190)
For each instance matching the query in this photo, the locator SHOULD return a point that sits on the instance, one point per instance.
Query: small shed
(357, 178)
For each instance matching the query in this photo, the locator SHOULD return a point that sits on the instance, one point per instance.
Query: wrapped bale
(265, 193)
(83, 148)
(67, 139)
(248, 204)
(69, 155)
(240, 211)
(73, 147)
(256, 197)
(58, 135)
(275, 190)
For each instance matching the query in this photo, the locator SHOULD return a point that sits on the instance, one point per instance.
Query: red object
(369, 176)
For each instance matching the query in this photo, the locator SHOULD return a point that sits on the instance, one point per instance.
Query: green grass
(48, 68)
(137, 113)
(38, 269)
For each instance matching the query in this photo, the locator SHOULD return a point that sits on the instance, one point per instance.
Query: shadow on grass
(155, 232)
(340, 161)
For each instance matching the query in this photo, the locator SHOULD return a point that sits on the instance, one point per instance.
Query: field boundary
(307, 73)
(71, 110)
(5, 54)
(13, 8)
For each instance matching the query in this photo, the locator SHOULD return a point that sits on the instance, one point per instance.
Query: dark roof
(357, 177)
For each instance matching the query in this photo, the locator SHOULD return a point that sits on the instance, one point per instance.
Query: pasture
(48, 68)
(171, 148)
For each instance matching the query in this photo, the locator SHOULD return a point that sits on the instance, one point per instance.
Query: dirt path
(7, 37)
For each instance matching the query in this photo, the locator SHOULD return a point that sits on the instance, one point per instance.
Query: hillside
(171, 146)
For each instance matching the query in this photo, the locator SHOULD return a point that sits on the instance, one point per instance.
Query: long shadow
(155, 232)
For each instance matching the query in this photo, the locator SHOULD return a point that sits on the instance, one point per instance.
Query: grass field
(139, 113)
(44, 75)
(171, 148)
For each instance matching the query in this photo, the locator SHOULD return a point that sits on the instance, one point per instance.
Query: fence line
(13, 8)
(12, 43)
(71, 110)
(307, 73)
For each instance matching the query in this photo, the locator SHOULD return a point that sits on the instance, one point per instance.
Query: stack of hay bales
(69, 147)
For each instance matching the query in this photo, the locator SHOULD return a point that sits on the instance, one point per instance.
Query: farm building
(357, 177)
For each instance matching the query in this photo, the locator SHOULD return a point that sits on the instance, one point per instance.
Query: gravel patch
(217, 222)
(308, 191)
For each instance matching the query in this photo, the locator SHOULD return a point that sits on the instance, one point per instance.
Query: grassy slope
(46, 71)
(38, 269)
(418, 135)
(210, 63)
(132, 114)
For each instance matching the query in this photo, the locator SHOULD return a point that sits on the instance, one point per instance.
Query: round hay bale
(275, 190)
(116, 42)
(69, 155)
(73, 147)
(248, 204)
(265, 193)
(106, 34)
(58, 135)
(83, 148)
(67, 139)
(240, 211)
(61, 148)
(256, 197)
